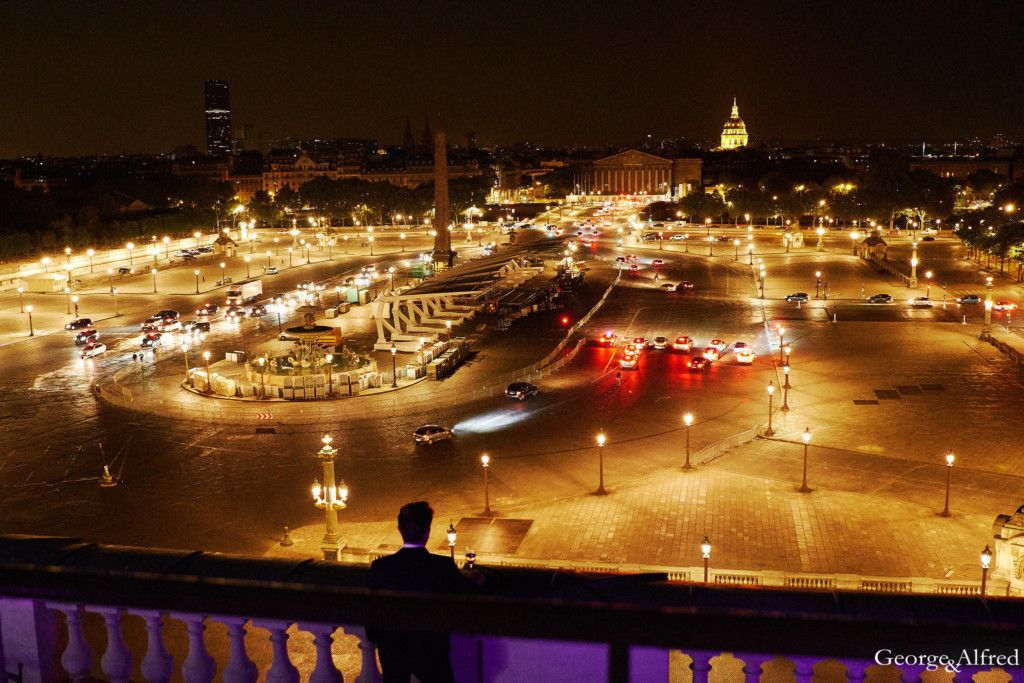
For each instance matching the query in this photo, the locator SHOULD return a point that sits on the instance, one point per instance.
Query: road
(222, 487)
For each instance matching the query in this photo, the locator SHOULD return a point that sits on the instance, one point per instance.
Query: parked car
(969, 299)
(797, 296)
(78, 324)
(521, 390)
(86, 336)
(880, 299)
(94, 349)
(125, 270)
(430, 434)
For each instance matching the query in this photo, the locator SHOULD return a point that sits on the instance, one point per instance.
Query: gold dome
(734, 132)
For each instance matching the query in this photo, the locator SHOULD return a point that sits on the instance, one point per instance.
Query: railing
(160, 615)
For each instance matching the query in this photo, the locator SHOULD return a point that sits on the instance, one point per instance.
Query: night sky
(109, 77)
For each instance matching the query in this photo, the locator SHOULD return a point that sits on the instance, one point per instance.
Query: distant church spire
(408, 141)
(735, 109)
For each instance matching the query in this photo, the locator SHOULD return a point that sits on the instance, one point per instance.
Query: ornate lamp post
(330, 373)
(31, 330)
(804, 488)
(153, 271)
(782, 335)
(736, 254)
(451, 539)
(206, 362)
(986, 560)
(821, 233)
(785, 390)
(21, 299)
(90, 253)
(988, 302)
(789, 349)
(950, 459)
(601, 438)
(853, 241)
(196, 274)
(485, 462)
(913, 266)
(67, 295)
(687, 422)
(705, 551)
(130, 246)
(263, 380)
(330, 498)
(247, 274)
(817, 284)
(771, 392)
(394, 369)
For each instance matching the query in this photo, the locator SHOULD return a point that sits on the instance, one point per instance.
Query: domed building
(734, 133)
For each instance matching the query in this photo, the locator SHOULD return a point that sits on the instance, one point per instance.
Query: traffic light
(565, 321)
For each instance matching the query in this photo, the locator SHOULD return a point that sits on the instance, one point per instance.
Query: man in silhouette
(413, 568)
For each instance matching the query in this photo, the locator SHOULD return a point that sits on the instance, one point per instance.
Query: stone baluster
(281, 668)
(700, 665)
(803, 669)
(324, 671)
(116, 662)
(158, 664)
(910, 673)
(856, 670)
(77, 656)
(368, 672)
(753, 666)
(239, 669)
(198, 666)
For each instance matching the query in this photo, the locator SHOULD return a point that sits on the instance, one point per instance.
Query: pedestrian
(413, 568)
(618, 378)
(135, 357)
(204, 279)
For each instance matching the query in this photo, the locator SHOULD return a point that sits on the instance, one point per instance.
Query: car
(270, 270)
(745, 356)
(724, 239)
(739, 346)
(711, 353)
(928, 238)
(641, 342)
(607, 339)
(660, 342)
(686, 286)
(94, 349)
(667, 287)
(698, 364)
(652, 236)
(521, 390)
(151, 340)
(969, 299)
(633, 267)
(657, 263)
(797, 296)
(257, 311)
(620, 259)
(169, 326)
(86, 336)
(632, 257)
(1004, 305)
(633, 349)
(718, 345)
(234, 311)
(208, 310)
(880, 299)
(629, 361)
(125, 270)
(430, 434)
(78, 324)
(151, 322)
(682, 343)
(149, 326)
(677, 238)
(167, 314)
(921, 302)
(200, 327)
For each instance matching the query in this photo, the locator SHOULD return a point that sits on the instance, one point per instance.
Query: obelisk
(443, 240)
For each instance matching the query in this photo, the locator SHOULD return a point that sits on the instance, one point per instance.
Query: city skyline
(508, 74)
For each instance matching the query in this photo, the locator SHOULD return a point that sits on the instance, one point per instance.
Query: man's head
(414, 522)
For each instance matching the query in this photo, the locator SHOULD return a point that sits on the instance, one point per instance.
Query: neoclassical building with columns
(633, 172)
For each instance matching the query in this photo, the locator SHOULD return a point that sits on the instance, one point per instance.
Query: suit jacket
(416, 569)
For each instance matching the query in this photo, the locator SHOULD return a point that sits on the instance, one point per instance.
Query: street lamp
(113, 292)
(804, 488)
(988, 301)
(705, 551)
(21, 299)
(330, 373)
(986, 560)
(330, 498)
(950, 459)
(394, 370)
(736, 245)
(451, 539)
(928, 278)
(153, 270)
(46, 264)
(821, 233)
(222, 271)
(74, 302)
(391, 274)
(263, 382)
(90, 253)
(206, 362)
(370, 241)
(485, 462)
(913, 265)
(853, 241)
(130, 245)
(750, 253)
(67, 295)
(782, 334)
(247, 275)
(785, 390)
(601, 438)
(31, 330)
(817, 284)
(196, 273)
(771, 392)
(687, 422)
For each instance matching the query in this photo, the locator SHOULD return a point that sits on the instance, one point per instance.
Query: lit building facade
(734, 133)
(634, 172)
(218, 118)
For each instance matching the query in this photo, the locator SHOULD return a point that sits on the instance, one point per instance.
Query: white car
(91, 350)
(745, 356)
(682, 343)
(660, 342)
(718, 345)
(921, 302)
(677, 238)
(270, 270)
(629, 362)
(170, 326)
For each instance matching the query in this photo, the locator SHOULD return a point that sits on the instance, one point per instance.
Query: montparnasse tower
(734, 133)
